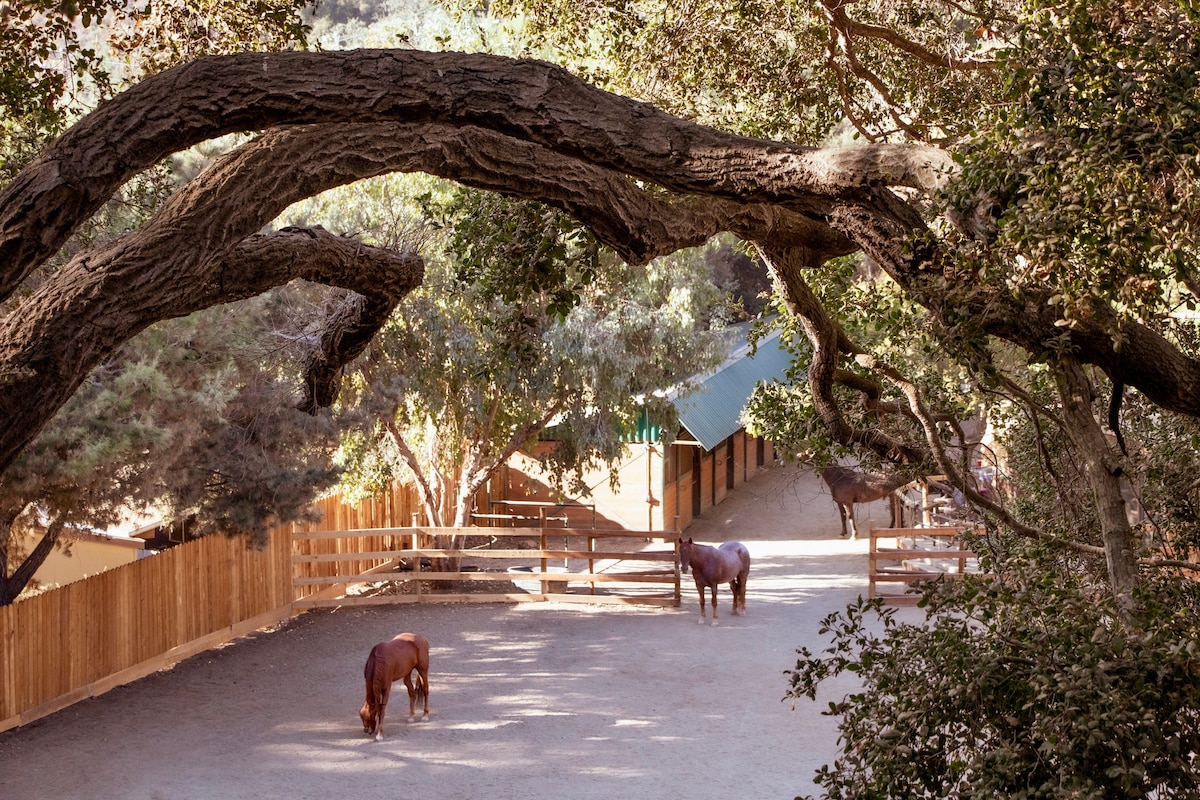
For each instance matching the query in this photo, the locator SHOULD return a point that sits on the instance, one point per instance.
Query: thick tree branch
(349, 328)
(528, 100)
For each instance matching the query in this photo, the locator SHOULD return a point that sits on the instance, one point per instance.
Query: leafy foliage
(776, 69)
(515, 327)
(1093, 160)
(61, 58)
(1019, 686)
(512, 251)
(190, 421)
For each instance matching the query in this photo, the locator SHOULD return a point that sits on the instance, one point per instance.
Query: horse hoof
(379, 737)
(701, 621)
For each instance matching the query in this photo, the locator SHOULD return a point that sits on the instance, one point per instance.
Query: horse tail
(422, 687)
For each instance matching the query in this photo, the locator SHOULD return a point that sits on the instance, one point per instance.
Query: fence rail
(606, 566)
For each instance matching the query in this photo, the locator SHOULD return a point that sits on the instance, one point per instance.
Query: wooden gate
(411, 565)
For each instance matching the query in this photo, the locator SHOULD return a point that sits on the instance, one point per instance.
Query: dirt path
(539, 700)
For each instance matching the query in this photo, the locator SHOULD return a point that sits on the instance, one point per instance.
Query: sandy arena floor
(540, 701)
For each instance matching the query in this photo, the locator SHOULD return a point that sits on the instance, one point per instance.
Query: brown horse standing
(729, 563)
(388, 662)
(849, 487)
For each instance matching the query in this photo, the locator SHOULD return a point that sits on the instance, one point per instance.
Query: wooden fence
(81, 640)
(915, 554)
(563, 564)
(87, 637)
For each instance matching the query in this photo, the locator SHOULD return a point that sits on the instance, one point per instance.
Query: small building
(664, 487)
(83, 553)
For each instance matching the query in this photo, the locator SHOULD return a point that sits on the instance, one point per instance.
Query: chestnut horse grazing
(729, 563)
(388, 662)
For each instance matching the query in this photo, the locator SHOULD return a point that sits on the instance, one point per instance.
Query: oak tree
(994, 235)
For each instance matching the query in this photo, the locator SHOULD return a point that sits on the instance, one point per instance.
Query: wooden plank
(500, 533)
(905, 554)
(659, 600)
(940, 530)
(358, 533)
(530, 555)
(537, 554)
(900, 599)
(917, 576)
(378, 600)
(658, 576)
(596, 599)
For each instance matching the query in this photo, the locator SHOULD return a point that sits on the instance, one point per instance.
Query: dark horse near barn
(388, 662)
(710, 566)
(849, 487)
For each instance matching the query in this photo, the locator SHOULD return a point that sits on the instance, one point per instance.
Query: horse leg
(423, 688)
(842, 513)
(853, 524)
(742, 579)
(700, 589)
(714, 603)
(412, 696)
(367, 712)
(382, 701)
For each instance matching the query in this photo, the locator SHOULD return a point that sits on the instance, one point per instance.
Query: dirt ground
(545, 701)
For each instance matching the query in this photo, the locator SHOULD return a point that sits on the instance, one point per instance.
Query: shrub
(1019, 686)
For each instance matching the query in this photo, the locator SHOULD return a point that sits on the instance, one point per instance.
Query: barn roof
(712, 411)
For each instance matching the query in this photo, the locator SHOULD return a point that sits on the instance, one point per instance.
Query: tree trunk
(1102, 470)
(11, 585)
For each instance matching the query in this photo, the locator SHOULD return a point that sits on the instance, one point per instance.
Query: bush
(1020, 686)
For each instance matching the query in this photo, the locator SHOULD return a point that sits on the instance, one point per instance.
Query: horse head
(368, 716)
(685, 554)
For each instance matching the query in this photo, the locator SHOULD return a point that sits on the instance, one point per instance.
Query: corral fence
(81, 640)
(563, 564)
(900, 557)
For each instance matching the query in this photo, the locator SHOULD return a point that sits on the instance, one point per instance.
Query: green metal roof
(712, 412)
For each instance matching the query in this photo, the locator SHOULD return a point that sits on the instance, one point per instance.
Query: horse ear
(690, 540)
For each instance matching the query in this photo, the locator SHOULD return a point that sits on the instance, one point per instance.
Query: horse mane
(375, 675)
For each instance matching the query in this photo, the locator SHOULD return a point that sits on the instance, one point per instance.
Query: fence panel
(614, 566)
(82, 639)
